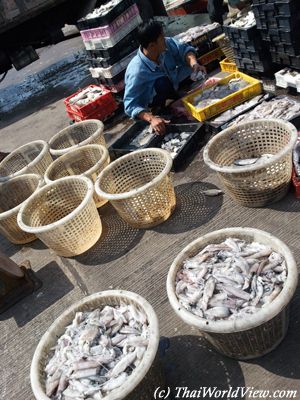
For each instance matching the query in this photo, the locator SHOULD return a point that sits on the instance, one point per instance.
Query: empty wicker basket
(87, 160)
(242, 338)
(63, 215)
(264, 182)
(138, 185)
(141, 384)
(79, 134)
(13, 194)
(32, 158)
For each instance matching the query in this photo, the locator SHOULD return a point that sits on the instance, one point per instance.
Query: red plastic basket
(296, 184)
(100, 108)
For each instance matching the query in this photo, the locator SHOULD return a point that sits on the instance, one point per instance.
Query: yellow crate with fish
(218, 97)
(228, 66)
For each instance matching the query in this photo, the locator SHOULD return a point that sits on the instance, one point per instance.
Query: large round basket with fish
(76, 135)
(139, 187)
(235, 285)
(103, 347)
(254, 160)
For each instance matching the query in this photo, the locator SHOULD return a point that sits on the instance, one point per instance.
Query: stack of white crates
(109, 34)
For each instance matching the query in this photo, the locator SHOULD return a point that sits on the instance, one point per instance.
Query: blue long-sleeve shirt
(142, 73)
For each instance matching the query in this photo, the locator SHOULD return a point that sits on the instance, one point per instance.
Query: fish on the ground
(97, 353)
(230, 280)
(230, 114)
(281, 107)
(212, 192)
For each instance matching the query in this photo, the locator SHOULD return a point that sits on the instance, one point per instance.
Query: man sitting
(154, 74)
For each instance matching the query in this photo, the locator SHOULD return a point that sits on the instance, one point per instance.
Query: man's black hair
(149, 32)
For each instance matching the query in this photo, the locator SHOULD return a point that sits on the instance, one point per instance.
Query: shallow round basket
(63, 215)
(87, 161)
(138, 185)
(241, 338)
(145, 378)
(254, 185)
(76, 135)
(32, 158)
(13, 194)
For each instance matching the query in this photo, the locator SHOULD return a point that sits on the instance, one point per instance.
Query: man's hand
(199, 72)
(159, 124)
(199, 68)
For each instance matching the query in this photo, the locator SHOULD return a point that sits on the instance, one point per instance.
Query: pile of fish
(195, 32)
(281, 107)
(97, 353)
(143, 138)
(218, 92)
(229, 280)
(86, 96)
(229, 114)
(245, 22)
(173, 142)
(103, 10)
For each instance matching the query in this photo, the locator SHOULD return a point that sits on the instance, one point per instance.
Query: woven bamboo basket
(139, 187)
(144, 379)
(76, 135)
(264, 182)
(63, 215)
(87, 161)
(242, 338)
(224, 43)
(13, 194)
(32, 158)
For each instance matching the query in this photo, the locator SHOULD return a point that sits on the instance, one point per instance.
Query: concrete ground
(139, 260)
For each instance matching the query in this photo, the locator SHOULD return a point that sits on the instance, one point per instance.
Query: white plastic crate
(288, 78)
(108, 30)
(106, 42)
(114, 70)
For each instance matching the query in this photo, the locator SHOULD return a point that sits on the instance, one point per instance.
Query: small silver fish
(212, 192)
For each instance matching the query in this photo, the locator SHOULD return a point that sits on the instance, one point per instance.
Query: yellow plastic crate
(228, 66)
(228, 102)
